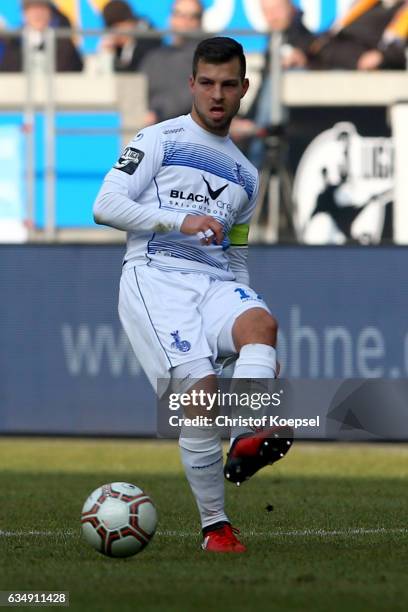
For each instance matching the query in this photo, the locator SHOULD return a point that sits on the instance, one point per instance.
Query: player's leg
(254, 336)
(167, 340)
(200, 447)
(201, 454)
(239, 322)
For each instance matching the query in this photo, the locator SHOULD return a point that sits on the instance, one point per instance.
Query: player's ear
(245, 85)
(191, 81)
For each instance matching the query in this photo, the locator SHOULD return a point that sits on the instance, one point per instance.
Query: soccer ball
(118, 519)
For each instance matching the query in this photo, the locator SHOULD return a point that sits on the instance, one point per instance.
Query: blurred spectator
(168, 68)
(128, 51)
(283, 16)
(371, 35)
(38, 16)
(280, 16)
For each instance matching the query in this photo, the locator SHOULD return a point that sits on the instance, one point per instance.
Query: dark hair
(219, 50)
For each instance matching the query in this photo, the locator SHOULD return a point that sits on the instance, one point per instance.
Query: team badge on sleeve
(129, 160)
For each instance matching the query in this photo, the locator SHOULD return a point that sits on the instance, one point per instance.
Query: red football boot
(252, 451)
(223, 540)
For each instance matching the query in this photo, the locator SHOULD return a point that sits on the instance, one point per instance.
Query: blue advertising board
(66, 366)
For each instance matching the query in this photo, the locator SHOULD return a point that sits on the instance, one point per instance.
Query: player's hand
(206, 228)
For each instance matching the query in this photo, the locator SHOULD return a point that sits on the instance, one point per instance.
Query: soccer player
(185, 195)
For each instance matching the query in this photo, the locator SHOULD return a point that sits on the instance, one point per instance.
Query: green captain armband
(238, 235)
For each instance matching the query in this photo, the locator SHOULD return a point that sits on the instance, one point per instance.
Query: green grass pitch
(336, 538)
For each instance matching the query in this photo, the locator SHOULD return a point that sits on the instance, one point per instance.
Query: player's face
(217, 90)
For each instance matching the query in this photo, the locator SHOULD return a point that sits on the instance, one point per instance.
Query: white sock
(203, 465)
(255, 361)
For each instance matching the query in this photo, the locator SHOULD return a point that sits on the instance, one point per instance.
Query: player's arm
(237, 252)
(117, 203)
(238, 238)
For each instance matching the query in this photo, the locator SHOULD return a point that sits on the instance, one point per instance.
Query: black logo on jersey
(193, 197)
(214, 194)
(129, 160)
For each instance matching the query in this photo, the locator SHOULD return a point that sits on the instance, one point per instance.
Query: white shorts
(175, 317)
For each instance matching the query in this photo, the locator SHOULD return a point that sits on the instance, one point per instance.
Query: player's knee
(255, 326)
(266, 327)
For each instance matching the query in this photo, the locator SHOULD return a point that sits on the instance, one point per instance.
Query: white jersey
(167, 171)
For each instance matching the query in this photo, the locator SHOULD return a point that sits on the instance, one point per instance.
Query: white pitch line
(358, 531)
(326, 533)
(58, 533)
(300, 533)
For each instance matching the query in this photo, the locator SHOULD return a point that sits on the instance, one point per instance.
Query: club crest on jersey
(129, 160)
(181, 345)
(237, 172)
